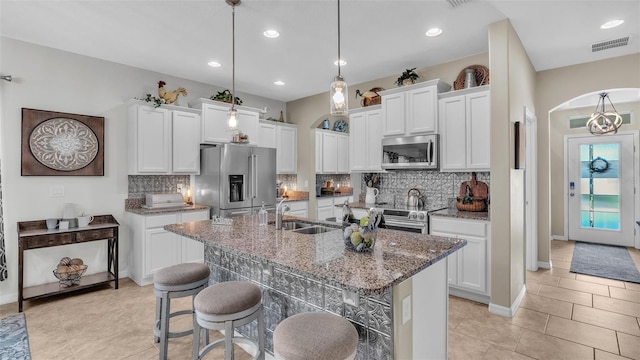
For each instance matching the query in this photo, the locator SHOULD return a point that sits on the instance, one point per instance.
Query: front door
(601, 189)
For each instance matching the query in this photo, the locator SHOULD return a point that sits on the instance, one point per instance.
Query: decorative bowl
(71, 276)
(359, 238)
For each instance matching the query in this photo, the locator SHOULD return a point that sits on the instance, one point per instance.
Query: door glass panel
(600, 186)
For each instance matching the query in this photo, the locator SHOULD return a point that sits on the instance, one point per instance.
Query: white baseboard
(544, 264)
(559, 237)
(505, 311)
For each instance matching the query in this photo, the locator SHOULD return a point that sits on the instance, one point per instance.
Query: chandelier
(604, 122)
(338, 93)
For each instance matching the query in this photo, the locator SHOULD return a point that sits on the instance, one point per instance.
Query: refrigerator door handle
(254, 175)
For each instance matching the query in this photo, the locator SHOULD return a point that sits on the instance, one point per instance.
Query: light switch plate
(406, 309)
(56, 190)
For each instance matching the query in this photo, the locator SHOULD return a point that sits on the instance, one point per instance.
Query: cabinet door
(478, 131)
(422, 106)
(374, 141)
(453, 142)
(318, 152)
(248, 124)
(267, 135)
(298, 213)
(329, 153)
(186, 142)
(287, 154)
(153, 129)
(393, 110)
(357, 142)
(193, 250)
(162, 248)
(214, 124)
(342, 154)
(325, 212)
(472, 264)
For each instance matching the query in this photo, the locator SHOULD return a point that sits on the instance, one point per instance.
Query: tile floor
(563, 316)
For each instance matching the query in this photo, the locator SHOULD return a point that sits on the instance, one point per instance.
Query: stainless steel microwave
(410, 153)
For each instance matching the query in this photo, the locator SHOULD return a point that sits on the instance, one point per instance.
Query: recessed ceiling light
(214, 64)
(611, 24)
(271, 34)
(434, 32)
(342, 63)
(279, 82)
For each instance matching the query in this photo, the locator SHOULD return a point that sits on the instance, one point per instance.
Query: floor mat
(611, 262)
(14, 341)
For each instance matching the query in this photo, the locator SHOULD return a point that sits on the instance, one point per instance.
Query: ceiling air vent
(609, 44)
(455, 3)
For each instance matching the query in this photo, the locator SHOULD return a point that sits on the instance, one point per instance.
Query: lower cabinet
(298, 208)
(153, 248)
(469, 267)
(327, 207)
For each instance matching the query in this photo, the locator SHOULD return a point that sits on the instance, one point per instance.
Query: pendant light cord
(233, 57)
(339, 58)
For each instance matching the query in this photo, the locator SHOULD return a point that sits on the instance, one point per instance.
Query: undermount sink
(313, 229)
(292, 225)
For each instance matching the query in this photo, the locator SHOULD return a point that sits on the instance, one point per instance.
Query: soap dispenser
(262, 215)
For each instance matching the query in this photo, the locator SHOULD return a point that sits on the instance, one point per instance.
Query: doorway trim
(636, 179)
(531, 190)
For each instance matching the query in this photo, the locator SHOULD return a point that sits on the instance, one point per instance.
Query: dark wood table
(35, 235)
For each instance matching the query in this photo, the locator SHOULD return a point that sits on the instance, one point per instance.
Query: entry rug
(611, 262)
(14, 341)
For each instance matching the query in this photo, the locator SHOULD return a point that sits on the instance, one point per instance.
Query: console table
(35, 235)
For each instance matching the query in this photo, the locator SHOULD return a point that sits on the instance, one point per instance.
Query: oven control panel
(418, 215)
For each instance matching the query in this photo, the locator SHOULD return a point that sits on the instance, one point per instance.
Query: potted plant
(225, 96)
(408, 77)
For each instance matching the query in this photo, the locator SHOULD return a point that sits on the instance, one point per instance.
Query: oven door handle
(407, 224)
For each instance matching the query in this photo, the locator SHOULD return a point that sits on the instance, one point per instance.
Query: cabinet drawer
(161, 220)
(194, 216)
(459, 227)
(298, 205)
(325, 202)
(47, 240)
(94, 235)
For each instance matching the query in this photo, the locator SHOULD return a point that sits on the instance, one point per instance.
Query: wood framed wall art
(61, 144)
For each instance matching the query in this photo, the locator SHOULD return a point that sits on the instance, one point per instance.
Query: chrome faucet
(280, 209)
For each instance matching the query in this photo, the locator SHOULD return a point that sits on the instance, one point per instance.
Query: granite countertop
(455, 213)
(396, 257)
(287, 199)
(334, 195)
(143, 211)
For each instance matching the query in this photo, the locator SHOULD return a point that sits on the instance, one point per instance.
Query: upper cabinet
(365, 139)
(465, 120)
(332, 152)
(163, 140)
(284, 138)
(214, 121)
(413, 109)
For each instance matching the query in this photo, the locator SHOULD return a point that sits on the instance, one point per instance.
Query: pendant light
(338, 93)
(604, 122)
(232, 115)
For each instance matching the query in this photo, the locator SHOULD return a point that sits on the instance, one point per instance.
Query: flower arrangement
(372, 180)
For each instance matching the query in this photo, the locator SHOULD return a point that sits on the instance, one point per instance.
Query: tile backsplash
(141, 184)
(339, 180)
(436, 187)
(288, 180)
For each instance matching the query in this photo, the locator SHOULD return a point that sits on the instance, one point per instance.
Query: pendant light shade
(232, 115)
(604, 122)
(339, 92)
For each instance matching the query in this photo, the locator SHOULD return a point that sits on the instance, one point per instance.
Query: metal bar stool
(226, 306)
(315, 336)
(175, 282)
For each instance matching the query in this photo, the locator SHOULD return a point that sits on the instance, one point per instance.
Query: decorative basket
(473, 195)
(476, 204)
(72, 276)
(481, 73)
(359, 238)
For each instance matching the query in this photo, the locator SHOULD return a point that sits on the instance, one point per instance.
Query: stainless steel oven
(406, 220)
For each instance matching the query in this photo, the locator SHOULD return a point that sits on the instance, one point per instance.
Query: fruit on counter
(65, 261)
(364, 221)
(356, 238)
(76, 261)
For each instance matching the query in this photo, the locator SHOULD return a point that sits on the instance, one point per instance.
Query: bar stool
(315, 336)
(172, 282)
(226, 306)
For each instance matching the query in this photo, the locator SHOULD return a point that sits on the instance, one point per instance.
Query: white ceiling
(379, 38)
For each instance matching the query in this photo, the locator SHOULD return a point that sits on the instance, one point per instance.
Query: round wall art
(63, 144)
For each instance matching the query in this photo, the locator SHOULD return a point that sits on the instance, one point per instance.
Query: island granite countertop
(143, 211)
(396, 257)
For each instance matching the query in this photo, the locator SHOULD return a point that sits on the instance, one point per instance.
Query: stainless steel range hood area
(410, 153)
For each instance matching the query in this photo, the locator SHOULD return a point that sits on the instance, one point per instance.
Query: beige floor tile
(585, 334)
(495, 330)
(606, 319)
(572, 296)
(629, 345)
(533, 287)
(547, 305)
(543, 277)
(547, 347)
(529, 319)
(563, 273)
(462, 347)
(625, 294)
(632, 286)
(584, 286)
(561, 264)
(598, 280)
(131, 342)
(603, 355)
(616, 305)
(498, 353)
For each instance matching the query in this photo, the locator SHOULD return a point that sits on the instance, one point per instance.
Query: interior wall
(556, 86)
(49, 79)
(309, 112)
(559, 127)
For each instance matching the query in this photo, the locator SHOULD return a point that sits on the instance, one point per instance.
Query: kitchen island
(396, 296)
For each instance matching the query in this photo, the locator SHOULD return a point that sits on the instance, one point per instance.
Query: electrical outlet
(56, 190)
(406, 309)
(306, 184)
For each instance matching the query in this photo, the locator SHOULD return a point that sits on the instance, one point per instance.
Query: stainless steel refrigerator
(235, 179)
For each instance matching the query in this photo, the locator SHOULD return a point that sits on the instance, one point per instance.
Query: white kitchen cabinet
(325, 208)
(332, 152)
(153, 248)
(465, 121)
(267, 134)
(283, 138)
(163, 140)
(411, 110)
(365, 139)
(298, 208)
(469, 267)
(214, 121)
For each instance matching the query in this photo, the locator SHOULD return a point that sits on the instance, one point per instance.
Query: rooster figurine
(169, 96)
